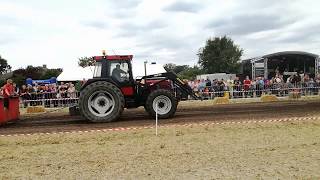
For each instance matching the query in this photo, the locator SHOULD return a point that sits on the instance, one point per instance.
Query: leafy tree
(86, 61)
(190, 73)
(184, 71)
(51, 73)
(220, 55)
(175, 68)
(19, 79)
(20, 75)
(4, 66)
(169, 67)
(33, 72)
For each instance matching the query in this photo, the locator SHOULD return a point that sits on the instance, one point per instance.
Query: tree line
(219, 55)
(20, 75)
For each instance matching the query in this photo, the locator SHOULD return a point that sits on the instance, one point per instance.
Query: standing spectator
(295, 80)
(237, 87)
(71, 91)
(310, 86)
(8, 91)
(230, 84)
(289, 82)
(16, 89)
(277, 85)
(208, 82)
(259, 86)
(214, 88)
(221, 87)
(31, 92)
(201, 85)
(253, 88)
(25, 95)
(46, 95)
(62, 92)
(246, 85)
(301, 75)
(54, 94)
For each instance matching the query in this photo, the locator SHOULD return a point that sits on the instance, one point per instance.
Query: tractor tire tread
(109, 87)
(149, 103)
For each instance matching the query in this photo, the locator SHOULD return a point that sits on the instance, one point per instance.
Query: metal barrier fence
(237, 91)
(245, 91)
(49, 99)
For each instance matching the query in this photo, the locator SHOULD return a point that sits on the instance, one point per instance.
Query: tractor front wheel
(162, 101)
(101, 102)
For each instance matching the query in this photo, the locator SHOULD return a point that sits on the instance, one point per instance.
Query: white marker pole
(157, 119)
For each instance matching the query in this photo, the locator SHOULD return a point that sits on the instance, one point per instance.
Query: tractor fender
(90, 81)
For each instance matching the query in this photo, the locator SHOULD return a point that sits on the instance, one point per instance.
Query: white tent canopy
(138, 69)
(78, 73)
(75, 73)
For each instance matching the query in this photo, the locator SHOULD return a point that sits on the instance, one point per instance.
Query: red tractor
(104, 97)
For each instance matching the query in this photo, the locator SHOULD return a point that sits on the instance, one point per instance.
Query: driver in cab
(116, 73)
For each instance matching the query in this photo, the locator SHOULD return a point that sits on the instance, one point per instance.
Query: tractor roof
(114, 57)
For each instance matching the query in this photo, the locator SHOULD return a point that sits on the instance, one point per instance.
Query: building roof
(291, 53)
(283, 53)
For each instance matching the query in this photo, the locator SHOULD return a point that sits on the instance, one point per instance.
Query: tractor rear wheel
(101, 102)
(163, 101)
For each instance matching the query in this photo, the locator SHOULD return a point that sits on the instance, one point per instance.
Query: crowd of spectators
(256, 87)
(44, 94)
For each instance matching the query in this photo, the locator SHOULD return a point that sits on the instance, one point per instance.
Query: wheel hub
(101, 104)
(162, 104)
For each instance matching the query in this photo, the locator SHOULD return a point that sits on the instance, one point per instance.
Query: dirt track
(185, 114)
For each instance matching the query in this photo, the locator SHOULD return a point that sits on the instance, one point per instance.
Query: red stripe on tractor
(127, 91)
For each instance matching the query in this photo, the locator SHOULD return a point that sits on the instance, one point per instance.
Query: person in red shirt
(246, 85)
(8, 91)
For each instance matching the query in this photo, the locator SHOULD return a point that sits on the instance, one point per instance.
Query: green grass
(253, 151)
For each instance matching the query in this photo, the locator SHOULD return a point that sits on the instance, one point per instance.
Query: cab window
(97, 69)
(119, 71)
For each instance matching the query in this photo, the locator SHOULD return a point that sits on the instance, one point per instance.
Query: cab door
(120, 72)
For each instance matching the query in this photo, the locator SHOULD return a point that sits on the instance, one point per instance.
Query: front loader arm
(184, 88)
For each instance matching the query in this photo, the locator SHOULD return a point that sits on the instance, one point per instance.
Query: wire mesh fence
(49, 99)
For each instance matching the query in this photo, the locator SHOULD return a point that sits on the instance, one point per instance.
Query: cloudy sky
(57, 32)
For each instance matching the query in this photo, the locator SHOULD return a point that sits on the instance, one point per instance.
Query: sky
(58, 32)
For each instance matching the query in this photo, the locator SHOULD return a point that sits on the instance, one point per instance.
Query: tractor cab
(117, 69)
